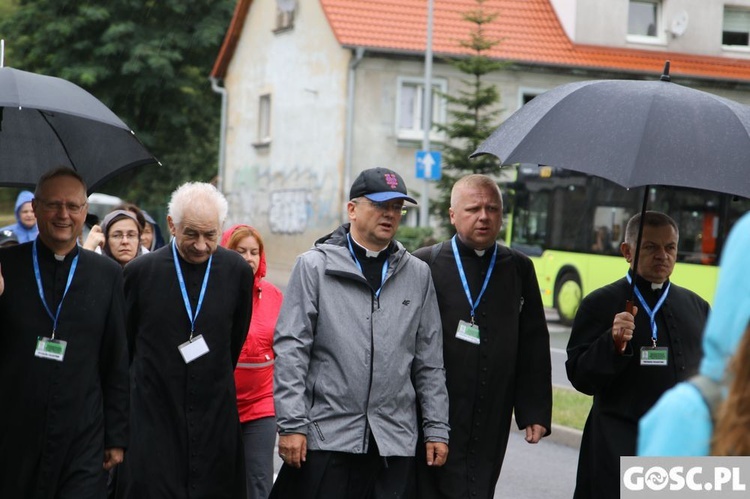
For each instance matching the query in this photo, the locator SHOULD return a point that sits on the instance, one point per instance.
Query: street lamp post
(424, 211)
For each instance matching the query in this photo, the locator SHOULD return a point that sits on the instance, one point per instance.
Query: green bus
(571, 225)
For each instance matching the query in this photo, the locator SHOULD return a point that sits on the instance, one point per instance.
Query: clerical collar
(657, 286)
(368, 253)
(646, 284)
(465, 250)
(46, 250)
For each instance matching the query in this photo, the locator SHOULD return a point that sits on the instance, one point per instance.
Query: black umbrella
(634, 133)
(46, 122)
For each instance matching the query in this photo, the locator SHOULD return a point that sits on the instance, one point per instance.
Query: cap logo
(391, 180)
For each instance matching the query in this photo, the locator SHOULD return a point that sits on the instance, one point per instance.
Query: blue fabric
(23, 233)
(679, 424)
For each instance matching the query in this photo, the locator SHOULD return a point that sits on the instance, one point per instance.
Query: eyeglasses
(385, 206)
(57, 206)
(119, 236)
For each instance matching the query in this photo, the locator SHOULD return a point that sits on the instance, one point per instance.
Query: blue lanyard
(651, 313)
(359, 265)
(38, 275)
(183, 289)
(465, 283)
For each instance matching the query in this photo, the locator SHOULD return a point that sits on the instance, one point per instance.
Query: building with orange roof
(317, 91)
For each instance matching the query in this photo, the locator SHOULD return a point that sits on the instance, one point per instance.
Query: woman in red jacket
(254, 373)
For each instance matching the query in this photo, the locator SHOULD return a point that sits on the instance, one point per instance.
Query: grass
(570, 408)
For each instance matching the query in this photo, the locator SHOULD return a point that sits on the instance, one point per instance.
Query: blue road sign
(428, 165)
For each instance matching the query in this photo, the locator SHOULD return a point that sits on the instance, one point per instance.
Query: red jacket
(254, 373)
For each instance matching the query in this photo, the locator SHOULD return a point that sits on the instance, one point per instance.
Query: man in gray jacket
(358, 347)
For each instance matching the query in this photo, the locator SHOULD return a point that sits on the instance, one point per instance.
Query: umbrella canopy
(46, 122)
(634, 133)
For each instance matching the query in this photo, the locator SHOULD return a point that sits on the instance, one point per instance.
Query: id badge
(47, 348)
(651, 356)
(193, 349)
(468, 332)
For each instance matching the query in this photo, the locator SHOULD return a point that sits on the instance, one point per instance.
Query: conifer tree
(473, 112)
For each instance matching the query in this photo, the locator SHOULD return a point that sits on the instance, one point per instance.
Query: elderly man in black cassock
(495, 344)
(189, 307)
(63, 355)
(627, 360)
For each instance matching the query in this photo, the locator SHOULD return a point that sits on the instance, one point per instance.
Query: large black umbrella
(46, 122)
(634, 133)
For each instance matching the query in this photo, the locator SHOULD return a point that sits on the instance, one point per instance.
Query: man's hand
(293, 449)
(534, 433)
(623, 327)
(437, 453)
(94, 239)
(113, 457)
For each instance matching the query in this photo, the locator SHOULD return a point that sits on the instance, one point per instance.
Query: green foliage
(473, 114)
(148, 61)
(414, 238)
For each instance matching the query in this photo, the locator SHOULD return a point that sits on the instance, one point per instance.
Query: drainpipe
(359, 53)
(223, 134)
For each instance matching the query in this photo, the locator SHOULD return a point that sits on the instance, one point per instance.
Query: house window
(285, 11)
(410, 104)
(736, 28)
(264, 120)
(644, 17)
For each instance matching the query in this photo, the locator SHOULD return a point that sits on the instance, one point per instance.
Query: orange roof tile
(529, 29)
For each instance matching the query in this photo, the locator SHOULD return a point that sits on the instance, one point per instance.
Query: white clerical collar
(368, 253)
(657, 286)
(59, 258)
(480, 252)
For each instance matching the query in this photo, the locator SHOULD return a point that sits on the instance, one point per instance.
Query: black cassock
(57, 417)
(185, 430)
(509, 370)
(624, 390)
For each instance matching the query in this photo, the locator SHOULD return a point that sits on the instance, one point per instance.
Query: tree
(149, 61)
(473, 111)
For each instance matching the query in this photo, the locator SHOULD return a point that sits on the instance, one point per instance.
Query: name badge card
(468, 332)
(651, 356)
(47, 348)
(192, 349)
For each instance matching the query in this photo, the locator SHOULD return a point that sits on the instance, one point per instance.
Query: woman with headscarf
(122, 235)
(25, 228)
(254, 373)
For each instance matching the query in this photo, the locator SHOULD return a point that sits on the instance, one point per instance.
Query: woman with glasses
(122, 235)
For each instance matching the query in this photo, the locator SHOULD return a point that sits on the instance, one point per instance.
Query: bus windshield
(572, 226)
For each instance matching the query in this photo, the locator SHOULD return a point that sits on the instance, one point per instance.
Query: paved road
(545, 470)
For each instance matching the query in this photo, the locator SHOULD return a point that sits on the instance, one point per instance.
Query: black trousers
(340, 475)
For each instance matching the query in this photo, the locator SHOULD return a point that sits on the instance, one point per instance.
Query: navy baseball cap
(379, 184)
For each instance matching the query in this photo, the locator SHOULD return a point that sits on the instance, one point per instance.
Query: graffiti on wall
(292, 200)
(288, 211)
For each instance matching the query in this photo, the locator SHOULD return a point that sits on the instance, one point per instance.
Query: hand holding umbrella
(623, 327)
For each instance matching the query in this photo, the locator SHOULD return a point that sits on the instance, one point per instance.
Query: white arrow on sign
(428, 163)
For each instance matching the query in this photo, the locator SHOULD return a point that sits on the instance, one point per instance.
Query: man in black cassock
(189, 306)
(624, 360)
(497, 357)
(63, 355)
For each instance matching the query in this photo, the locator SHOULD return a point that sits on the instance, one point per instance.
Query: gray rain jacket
(348, 363)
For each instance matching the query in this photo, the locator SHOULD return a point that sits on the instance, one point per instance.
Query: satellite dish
(679, 23)
(286, 5)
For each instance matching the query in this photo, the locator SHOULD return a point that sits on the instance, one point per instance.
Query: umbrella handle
(619, 343)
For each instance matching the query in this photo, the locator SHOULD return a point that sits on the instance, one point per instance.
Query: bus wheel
(568, 297)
